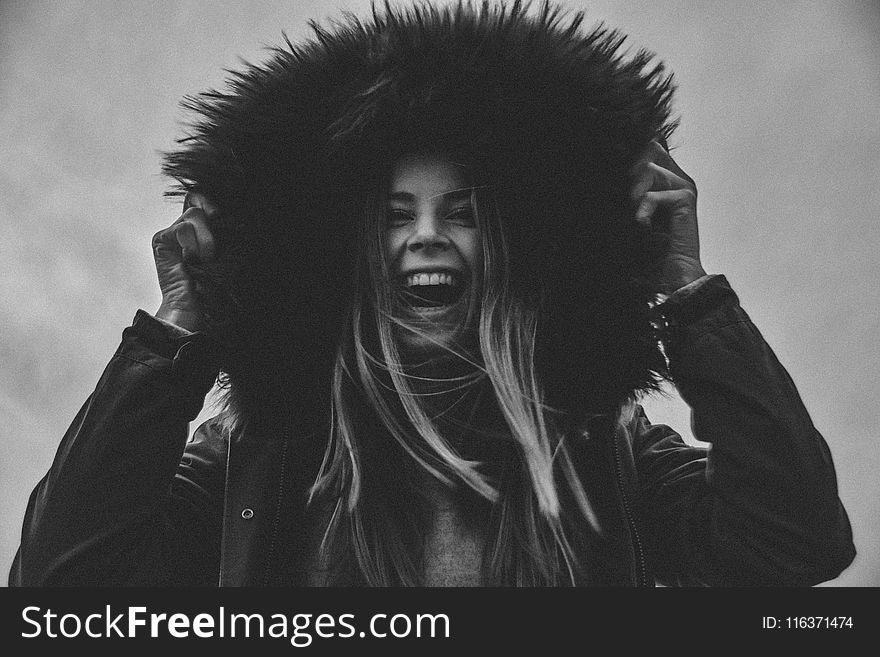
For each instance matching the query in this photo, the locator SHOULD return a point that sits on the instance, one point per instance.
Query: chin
(444, 335)
(437, 323)
(417, 347)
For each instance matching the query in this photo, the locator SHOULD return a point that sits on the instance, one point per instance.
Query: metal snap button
(247, 514)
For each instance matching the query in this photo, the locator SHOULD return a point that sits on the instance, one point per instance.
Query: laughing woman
(436, 258)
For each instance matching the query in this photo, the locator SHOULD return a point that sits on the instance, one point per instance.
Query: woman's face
(432, 246)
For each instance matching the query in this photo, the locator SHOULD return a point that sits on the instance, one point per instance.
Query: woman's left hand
(666, 201)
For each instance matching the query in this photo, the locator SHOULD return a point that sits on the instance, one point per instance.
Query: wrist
(682, 277)
(186, 318)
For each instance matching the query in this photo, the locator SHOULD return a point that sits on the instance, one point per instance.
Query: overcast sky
(780, 127)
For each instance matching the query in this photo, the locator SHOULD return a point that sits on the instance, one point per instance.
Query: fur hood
(552, 114)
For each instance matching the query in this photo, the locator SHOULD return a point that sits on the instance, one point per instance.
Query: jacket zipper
(221, 576)
(278, 508)
(641, 569)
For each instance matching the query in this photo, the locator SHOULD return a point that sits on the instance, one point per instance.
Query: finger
(165, 234)
(185, 235)
(205, 244)
(199, 200)
(649, 205)
(665, 160)
(190, 235)
(651, 177)
(658, 153)
(646, 209)
(165, 239)
(654, 152)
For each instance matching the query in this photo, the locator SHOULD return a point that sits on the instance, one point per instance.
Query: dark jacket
(129, 501)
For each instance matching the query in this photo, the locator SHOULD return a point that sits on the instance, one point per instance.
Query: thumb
(186, 238)
(199, 200)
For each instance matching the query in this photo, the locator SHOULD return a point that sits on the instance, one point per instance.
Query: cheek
(393, 243)
(472, 250)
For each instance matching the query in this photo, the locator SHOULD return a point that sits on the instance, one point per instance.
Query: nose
(427, 235)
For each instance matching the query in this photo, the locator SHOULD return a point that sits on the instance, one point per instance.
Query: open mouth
(431, 290)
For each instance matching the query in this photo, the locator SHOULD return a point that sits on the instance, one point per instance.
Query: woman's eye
(462, 217)
(397, 218)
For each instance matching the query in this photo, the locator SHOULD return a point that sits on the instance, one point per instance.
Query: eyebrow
(462, 193)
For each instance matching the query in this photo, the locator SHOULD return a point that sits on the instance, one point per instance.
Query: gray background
(780, 106)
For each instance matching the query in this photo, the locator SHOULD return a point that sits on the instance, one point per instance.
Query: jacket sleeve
(760, 506)
(128, 501)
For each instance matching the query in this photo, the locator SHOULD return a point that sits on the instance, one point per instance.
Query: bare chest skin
(454, 542)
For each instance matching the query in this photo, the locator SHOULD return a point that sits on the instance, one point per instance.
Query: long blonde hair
(384, 426)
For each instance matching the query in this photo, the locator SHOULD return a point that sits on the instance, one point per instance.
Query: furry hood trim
(551, 114)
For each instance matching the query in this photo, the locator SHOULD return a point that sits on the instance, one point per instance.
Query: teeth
(430, 279)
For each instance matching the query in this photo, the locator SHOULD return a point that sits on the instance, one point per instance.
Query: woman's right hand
(188, 240)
